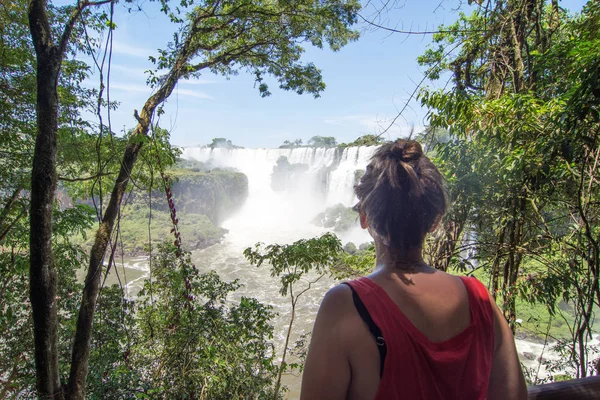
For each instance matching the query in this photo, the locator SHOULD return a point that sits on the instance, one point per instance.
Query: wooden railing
(577, 389)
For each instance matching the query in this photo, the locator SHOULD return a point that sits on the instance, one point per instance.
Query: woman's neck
(409, 259)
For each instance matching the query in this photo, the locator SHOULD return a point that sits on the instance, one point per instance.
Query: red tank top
(415, 367)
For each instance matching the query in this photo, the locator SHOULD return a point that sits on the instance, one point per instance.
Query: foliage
(338, 217)
(353, 264)
(267, 39)
(197, 229)
(215, 193)
(17, 135)
(222, 143)
(17, 109)
(315, 141)
(365, 140)
(16, 343)
(261, 37)
(291, 145)
(291, 262)
(322, 141)
(114, 373)
(516, 135)
(195, 343)
(191, 165)
(350, 248)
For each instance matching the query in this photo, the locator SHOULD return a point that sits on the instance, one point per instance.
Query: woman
(408, 331)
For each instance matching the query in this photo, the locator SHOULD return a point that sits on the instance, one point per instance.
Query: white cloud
(197, 82)
(141, 72)
(133, 71)
(128, 87)
(192, 93)
(131, 50)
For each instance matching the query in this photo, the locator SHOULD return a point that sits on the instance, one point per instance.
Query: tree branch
(40, 26)
(9, 205)
(385, 28)
(414, 92)
(8, 228)
(73, 18)
(87, 178)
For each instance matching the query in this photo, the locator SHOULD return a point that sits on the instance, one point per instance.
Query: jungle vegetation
(515, 130)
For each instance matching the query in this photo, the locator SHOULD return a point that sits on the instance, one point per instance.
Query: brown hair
(402, 194)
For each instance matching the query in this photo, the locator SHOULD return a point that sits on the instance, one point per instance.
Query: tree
(353, 263)
(365, 140)
(222, 143)
(291, 145)
(261, 37)
(193, 342)
(16, 103)
(17, 134)
(322, 141)
(50, 52)
(294, 263)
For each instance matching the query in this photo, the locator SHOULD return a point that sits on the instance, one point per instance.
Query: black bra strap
(375, 331)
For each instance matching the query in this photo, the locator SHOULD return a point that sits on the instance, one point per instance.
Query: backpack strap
(375, 331)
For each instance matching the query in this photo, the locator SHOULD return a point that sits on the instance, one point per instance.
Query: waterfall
(325, 177)
(258, 165)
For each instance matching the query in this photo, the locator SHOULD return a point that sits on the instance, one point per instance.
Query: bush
(195, 343)
(338, 217)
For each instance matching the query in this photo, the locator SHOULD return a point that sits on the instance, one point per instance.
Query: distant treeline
(330, 141)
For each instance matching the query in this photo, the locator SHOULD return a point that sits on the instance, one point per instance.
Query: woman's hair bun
(406, 150)
(402, 194)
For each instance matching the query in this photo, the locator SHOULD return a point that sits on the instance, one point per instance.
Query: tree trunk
(516, 28)
(42, 273)
(83, 334)
(496, 264)
(285, 347)
(513, 262)
(446, 244)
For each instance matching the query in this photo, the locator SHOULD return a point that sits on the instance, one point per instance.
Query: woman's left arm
(327, 371)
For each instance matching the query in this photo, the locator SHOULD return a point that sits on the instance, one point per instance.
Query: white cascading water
(284, 216)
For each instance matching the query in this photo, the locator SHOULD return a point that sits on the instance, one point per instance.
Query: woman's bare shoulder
(337, 299)
(338, 309)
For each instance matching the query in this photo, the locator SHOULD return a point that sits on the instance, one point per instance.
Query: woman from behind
(408, 331)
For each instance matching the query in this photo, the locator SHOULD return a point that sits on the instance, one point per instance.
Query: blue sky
(368, 82)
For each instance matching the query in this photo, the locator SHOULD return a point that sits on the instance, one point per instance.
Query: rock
(365, 246)
(285, 175)
(338, 217)
(529, 356)
(216, 194)
(542, 360)
(350, 248)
